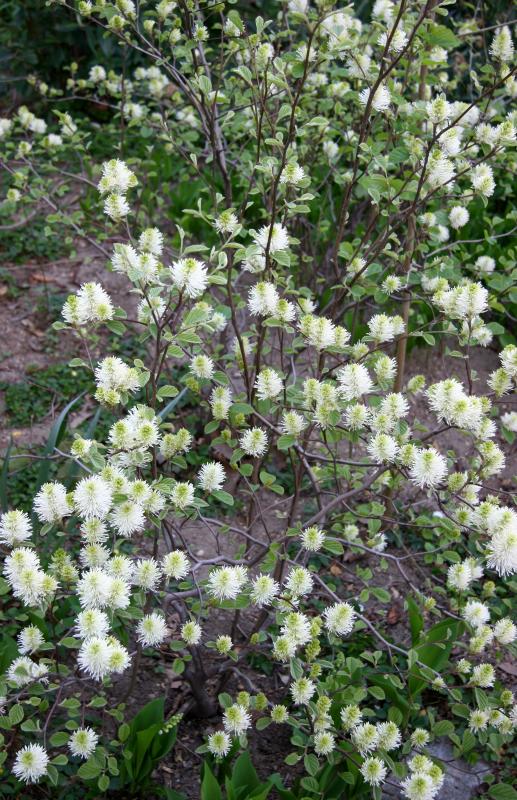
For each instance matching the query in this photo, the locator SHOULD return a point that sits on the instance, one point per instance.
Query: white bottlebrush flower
(292, 423)
(31, 763)
(93, 589)
(373, 771)
(225, 583)
(112, 374)
(476, 613)
(50, 503)
(151, 241)
(502, 45)
(324, 743)
(505, 631)
(175, 565)
(236, 719)
(116, 177)
(23, 671)
(226, 222)
(429, 468)
(302, 691)
(502, 552)
(277, 237)
(116, 207)
(147, 574)
(219, 744)
(190, 276)
(351, 717)
(485, 264)
(299, 581)
(83, 742)
(264, 590)
(93, 497)
(389, 736)
(459, 576)
(296, 628)
(127, 518)
(419, 786)
(381, 98)
(263, 299)
(254, 442)
(191, 632)
(92, 623)
(202, 367)
(383, 448)
(365, 737)
(398, 41)
(439, 110)
(292, 174)
(97, 74)
(482, 179)
(354, 381)
(458, 217)
(30, 639)
(182, 495)
(483, 675)
(312, 538)
(94, 657)
(211, 476)
(440, 170)
(15, 528)
(151, 630)
(268, 384)
(339, 618)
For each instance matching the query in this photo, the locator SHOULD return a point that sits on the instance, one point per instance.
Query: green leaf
(443, 728)
(56, 434)
(167, 391)
(502, 791)
(16, 714)
(209, 786)
(89, 770)
(223, 497)
(439, 35)
(103, 783)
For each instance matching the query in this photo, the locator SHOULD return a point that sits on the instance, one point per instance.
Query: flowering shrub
(337, 161)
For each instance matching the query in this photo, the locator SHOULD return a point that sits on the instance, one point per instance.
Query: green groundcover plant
(349, 173)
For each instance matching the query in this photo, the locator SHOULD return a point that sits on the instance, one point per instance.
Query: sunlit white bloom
(292, 423)
(339, 618)
(440, 170)
(292, 174)
(175, 565)
(389, 736)
(268, 384)
(505, 631)
(383, 448)
(225, 583)
(482, 178)
(219, 743)
(94, 657)
(202, 367)
(211, 476)
(127, 518)
(263, 590)
(502, 552)
(97, 74)
(236, 719)
(459, 576)
(380, 100)
(502, 45)
(147, 574)
(476, 613)
(191, 632)
(373, 771)
(354, 381)
(93, 589)
(398, 40)
(15, 528)
(151, 630)
(30, 639)
(458, 217)
(509, 421)
(485, 264)
(483, 675)
(365, 737)
(51, 504)
(83, 742)
(93, 497)
(92, 623)
(302, 690)
(312, 538)
(263, 299)
(429, 468)
(254, 442)
(182, 495)
(31, 763)
(324, 743)
(190, 276)
(299, 581)
(276, 237)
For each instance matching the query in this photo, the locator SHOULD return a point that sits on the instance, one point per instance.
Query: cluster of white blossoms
(295, 392)
(115, 182)
(91, 304)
